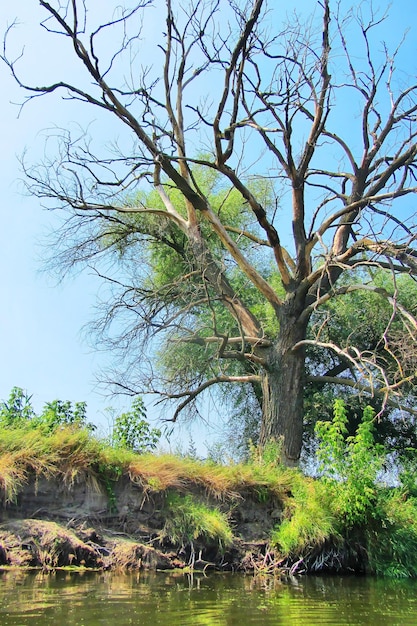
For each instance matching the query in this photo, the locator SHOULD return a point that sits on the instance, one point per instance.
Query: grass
(309, 521)
(188, 520)
(163, 472)
(72, 452)
(67, 453)
(13, 475)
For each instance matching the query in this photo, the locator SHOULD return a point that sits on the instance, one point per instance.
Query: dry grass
(66, 454)
(73, 453)
(162, 472)
(13, 476)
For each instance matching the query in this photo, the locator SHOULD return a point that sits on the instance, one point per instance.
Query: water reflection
(90, 599)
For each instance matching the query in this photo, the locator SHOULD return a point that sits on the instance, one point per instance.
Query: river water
(91, 599)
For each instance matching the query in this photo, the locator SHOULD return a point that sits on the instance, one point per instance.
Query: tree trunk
(283, 393)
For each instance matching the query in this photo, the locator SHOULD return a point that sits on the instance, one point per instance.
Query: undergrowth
(348, 519)
(188, 520)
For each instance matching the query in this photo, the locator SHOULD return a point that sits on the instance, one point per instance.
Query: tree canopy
(262, 179)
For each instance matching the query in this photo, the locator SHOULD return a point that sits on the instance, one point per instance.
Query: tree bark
(283, 393)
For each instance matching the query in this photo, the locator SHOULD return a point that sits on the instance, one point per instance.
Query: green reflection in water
(90, 599)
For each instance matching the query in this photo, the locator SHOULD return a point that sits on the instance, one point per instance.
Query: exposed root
(263, 564)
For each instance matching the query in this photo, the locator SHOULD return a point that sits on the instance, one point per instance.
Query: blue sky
(42, 349)
(41, 346)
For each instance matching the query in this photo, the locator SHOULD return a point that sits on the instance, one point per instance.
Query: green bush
(347, 517)
(132, 431)
(17, 410)
(188, 520)
(350, 466)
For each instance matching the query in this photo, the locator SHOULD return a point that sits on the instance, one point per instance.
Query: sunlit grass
(188, 520)
(162, 472)
(71, 453)
(13, 475)
(309, 520)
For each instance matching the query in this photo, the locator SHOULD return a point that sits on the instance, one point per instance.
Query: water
(91, 599)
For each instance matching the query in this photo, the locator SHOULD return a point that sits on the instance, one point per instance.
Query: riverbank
(70, 500)
(48, 545)
(51, 524)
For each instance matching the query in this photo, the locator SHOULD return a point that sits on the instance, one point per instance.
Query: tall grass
(66, 453)
(162, 472)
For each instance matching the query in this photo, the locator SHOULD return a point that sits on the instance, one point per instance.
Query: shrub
(347, 518)
(350, 466)
(132, 431)
(188, 520)
(17, 410)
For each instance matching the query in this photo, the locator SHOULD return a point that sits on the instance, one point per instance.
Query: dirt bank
(52, 524)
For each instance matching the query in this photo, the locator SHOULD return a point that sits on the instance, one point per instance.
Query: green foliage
(347, 511)
(109, 474)
(361, 318)
(188, 520)
(350, 465)
(309, 520)
(174, 285)
(17, 410)
(132, 431)
(408, 472)
(392, 544)
(331, 435)
(265, 456)
(57, 413)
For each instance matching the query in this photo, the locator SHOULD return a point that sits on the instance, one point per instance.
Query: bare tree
(315, 136)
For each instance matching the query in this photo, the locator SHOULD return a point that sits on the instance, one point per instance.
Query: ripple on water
(92, 599)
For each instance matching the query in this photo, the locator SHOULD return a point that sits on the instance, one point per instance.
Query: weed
(308, 521)
(350, 466)
(188, 520)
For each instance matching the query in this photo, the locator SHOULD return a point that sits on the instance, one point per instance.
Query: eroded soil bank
(52, 525)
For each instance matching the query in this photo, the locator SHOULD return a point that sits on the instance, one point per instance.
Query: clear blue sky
(40, 323)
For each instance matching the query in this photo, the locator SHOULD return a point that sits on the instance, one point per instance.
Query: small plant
(57, 414)
(109, 475)
(17, 410)
(268, 455)
(132, 431)
(188, 520)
